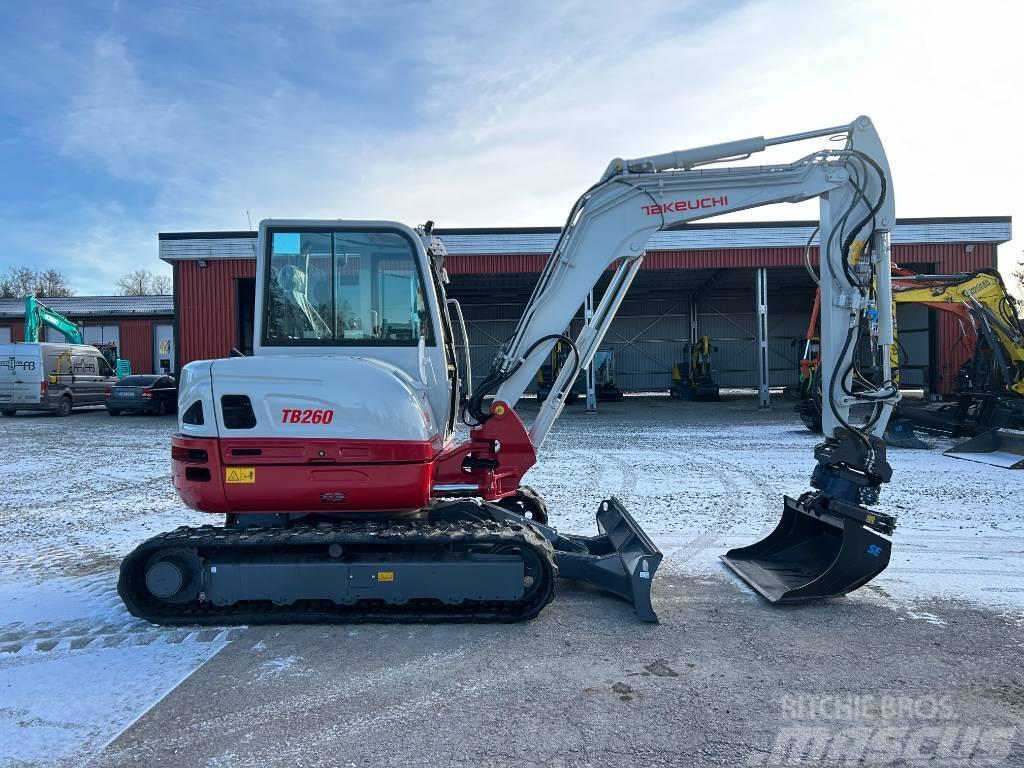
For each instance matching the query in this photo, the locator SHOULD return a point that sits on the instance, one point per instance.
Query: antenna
(248, 219)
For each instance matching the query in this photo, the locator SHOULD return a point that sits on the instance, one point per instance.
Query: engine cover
(303, 434)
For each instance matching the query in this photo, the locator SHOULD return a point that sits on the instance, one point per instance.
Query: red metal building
(696, 279)
(141, 326)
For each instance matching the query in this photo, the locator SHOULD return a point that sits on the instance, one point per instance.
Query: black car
(150, 394)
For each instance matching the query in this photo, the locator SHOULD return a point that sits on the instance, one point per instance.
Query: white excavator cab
(360, 289)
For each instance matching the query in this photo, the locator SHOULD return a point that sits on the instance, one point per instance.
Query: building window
(5, 334)
(102, 334)
(92, 334)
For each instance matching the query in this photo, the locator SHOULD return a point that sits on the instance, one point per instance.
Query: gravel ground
(921, 667)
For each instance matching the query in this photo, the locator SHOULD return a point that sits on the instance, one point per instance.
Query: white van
(52, 377)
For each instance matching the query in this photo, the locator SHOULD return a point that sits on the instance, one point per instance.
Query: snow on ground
(702, 478)
(79, 493)
(75, 668)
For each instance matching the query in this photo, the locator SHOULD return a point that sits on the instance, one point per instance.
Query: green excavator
(38, 315)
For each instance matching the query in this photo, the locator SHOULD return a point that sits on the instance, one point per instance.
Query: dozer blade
(812, 554)
(998, 447)
(621, 559)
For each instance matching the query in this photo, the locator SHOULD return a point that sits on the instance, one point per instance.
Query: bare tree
(162, 285)
(18, 282)
(50, 282)
(142, 282)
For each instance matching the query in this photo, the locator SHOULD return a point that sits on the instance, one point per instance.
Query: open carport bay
(665, 307)
(926, 658)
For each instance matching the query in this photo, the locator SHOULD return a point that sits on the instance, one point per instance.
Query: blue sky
(119, 120)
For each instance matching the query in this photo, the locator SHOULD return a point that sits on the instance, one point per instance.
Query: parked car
(150, 394)
(40, 376)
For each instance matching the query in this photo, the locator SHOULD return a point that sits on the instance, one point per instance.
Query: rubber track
(208, 539)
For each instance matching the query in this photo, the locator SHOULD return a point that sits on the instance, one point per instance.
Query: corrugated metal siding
(209, 248)
(494, 264)
(725, 258)
(647, 337)
(207, 309)
(730, 320)
(947, 257)
(951, 254)
(712, 238)
(137, 344)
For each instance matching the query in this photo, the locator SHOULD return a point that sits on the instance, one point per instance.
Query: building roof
(183, 246)
(94, 306)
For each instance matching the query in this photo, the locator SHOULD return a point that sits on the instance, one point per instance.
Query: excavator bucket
(899, 433)
(812, 554)
(998, 447)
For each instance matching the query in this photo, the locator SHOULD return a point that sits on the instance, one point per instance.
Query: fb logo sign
(874, 550)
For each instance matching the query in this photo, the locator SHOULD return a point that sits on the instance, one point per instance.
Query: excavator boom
(38, 315)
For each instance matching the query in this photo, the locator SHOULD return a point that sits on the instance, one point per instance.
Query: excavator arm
(38, 315)
(611, 223)
(827, 543)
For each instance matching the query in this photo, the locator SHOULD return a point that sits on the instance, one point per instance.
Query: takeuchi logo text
(682, 206)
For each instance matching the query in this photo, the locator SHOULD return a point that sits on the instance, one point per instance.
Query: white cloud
(524, 106)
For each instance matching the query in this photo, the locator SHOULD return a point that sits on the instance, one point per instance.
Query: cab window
(104, 367)
(344, 288)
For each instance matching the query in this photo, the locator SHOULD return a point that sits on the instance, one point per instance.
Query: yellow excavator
(989, 402)
(693, 379)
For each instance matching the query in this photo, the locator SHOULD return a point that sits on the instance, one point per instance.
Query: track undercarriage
(456, 561)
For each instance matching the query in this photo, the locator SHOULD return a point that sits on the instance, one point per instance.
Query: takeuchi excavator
(334, 455)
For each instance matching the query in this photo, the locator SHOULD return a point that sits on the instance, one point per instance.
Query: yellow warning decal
(385, 575)
(240, 474)
(869, 519)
